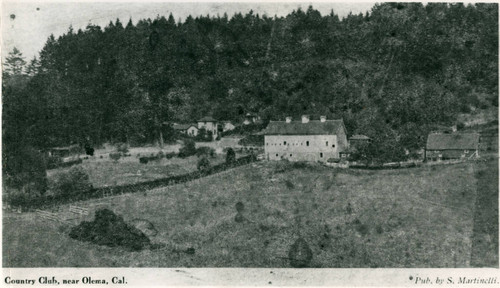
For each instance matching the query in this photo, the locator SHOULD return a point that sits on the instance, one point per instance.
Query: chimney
(305, 118)
(322, 118)
(288, 119)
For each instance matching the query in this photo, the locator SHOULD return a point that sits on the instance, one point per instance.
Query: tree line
(391, 73)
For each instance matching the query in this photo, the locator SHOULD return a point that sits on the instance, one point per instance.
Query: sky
(27, 25)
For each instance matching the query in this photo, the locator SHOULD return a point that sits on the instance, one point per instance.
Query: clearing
(418, 217)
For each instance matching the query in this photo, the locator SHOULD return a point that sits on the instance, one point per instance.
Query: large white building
(305, 140)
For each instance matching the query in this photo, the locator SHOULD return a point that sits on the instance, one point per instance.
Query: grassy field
(106, 172)
(128, 170)
(420, 217)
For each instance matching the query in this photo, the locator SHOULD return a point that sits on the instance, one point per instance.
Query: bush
(89, 150)
(122, 148)
(111, 230)
(73, 182)
(115, 156)
(203, 164)
(289, 184)
(170, 155)
(282, 166)
(285, 165)
(160, 154)
(230, 156)
(187, 149)
(205, 151)
(144, 160)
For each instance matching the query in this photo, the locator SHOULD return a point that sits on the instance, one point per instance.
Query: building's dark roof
(454, 141)
(207, 119)
(313, 127)
(183, 126)
(359, 137)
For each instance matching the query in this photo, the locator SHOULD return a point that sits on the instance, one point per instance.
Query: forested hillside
(390, 74)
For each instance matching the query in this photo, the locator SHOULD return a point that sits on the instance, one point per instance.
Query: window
(290, 155)
(307, 143)
(333, 145)
(321, 155)
(276, 155)
(326, 143)
(267, 144)
(284, 142)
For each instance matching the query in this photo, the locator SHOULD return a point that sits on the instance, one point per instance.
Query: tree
(230, 156)
(25, 168)
(14, 63)
(188, 148)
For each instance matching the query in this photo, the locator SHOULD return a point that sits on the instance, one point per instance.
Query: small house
(305, 140)
(63, 151)
(441, 146)
(227, 126)
(187, 129)
(209, 124)
(250, 119)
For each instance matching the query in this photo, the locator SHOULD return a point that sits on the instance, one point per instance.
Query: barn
(442, 146)
(305, 140)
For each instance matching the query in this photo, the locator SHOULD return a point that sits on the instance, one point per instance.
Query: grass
(128, 170)
(419, 217)
(485, 239)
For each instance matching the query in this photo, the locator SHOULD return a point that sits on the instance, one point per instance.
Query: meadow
(417, 217)
(103, 171)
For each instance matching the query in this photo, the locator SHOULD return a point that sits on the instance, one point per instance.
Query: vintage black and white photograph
(249, 135)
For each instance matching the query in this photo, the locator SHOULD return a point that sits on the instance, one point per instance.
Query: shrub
(73, 182)
(115, 156)
(230, 156)
(144, 160)
(170, 155)
(89, 150)
(285, 165)
(289, 184)
(122, 148)
(111, 230)
(282, 166)
(187, 149)
(360, 227)
(160, 154)
(240, 207)
(203, 164)
(204, 151)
